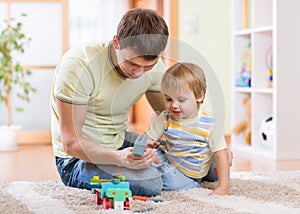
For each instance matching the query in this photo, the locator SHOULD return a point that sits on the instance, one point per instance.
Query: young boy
(191, 143)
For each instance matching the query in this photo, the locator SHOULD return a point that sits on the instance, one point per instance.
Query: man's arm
(156, 100)
(71, 120)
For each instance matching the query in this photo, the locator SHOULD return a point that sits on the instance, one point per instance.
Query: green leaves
(12, 75)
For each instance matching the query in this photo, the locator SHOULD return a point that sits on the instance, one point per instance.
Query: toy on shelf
(244, 76)
(114, 193)
(246, 13)
(269, 65)
(267, 131)
(245, 125)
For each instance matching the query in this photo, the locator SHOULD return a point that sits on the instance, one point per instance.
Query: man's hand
(130, 161)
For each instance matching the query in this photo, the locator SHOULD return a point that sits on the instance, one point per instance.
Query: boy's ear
(115, 42)
(201, 98)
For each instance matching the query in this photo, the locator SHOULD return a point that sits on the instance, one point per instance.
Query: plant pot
(9, 138)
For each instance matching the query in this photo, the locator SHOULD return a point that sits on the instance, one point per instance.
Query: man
(92, 92)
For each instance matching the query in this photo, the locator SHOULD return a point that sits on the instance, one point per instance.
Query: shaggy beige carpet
(277, 192)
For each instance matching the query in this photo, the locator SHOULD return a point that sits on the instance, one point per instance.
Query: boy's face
(132, 66)
(182, 103)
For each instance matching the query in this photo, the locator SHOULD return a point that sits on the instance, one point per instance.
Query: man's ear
(115, 42)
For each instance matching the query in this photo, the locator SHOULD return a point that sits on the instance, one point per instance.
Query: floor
(36, 163)
(28, 163)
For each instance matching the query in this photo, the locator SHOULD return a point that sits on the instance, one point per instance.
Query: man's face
(131, 65)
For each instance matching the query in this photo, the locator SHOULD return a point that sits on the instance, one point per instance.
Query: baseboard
(34, 137)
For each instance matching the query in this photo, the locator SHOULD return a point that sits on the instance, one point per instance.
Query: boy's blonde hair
(184, 74)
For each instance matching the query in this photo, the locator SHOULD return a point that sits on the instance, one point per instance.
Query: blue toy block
(139, 146)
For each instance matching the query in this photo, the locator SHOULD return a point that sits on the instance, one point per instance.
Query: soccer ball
(267, 130)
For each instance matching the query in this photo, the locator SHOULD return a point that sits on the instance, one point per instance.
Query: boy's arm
(156, 131)
(223, 171)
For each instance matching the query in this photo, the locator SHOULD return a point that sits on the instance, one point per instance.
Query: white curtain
(94, 20)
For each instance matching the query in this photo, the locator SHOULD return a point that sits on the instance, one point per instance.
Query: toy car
(111, 194)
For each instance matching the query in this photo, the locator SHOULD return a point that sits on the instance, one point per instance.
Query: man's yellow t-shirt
(86, 76)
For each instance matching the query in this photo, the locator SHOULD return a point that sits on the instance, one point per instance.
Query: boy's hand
(230, 156)
(223, 171)
(152, 144)
(219, 191)
(156, 160)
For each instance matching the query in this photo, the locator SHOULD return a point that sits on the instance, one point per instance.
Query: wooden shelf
(270, 28)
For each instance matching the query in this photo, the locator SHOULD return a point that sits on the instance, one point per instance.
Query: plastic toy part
(140, 198)
(111, 194)
(98, 200)
(127, 204)
(145, 198)
(143, 210)
(139, 146)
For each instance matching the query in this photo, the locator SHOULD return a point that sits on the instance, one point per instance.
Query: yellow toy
(245, 125)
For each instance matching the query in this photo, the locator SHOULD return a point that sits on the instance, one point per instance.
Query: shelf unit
(267, 24)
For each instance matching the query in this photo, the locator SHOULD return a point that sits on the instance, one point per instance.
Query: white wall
(211, 38)
(94, 20)
(44, 49)
(205, 26)
(89, 21)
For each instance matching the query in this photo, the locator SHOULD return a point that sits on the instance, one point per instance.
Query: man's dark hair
(144, 31)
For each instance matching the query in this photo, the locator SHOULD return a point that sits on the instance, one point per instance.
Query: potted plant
(12, 78)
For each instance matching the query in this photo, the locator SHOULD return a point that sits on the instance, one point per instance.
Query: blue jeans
(146, 182)
(173, 179)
